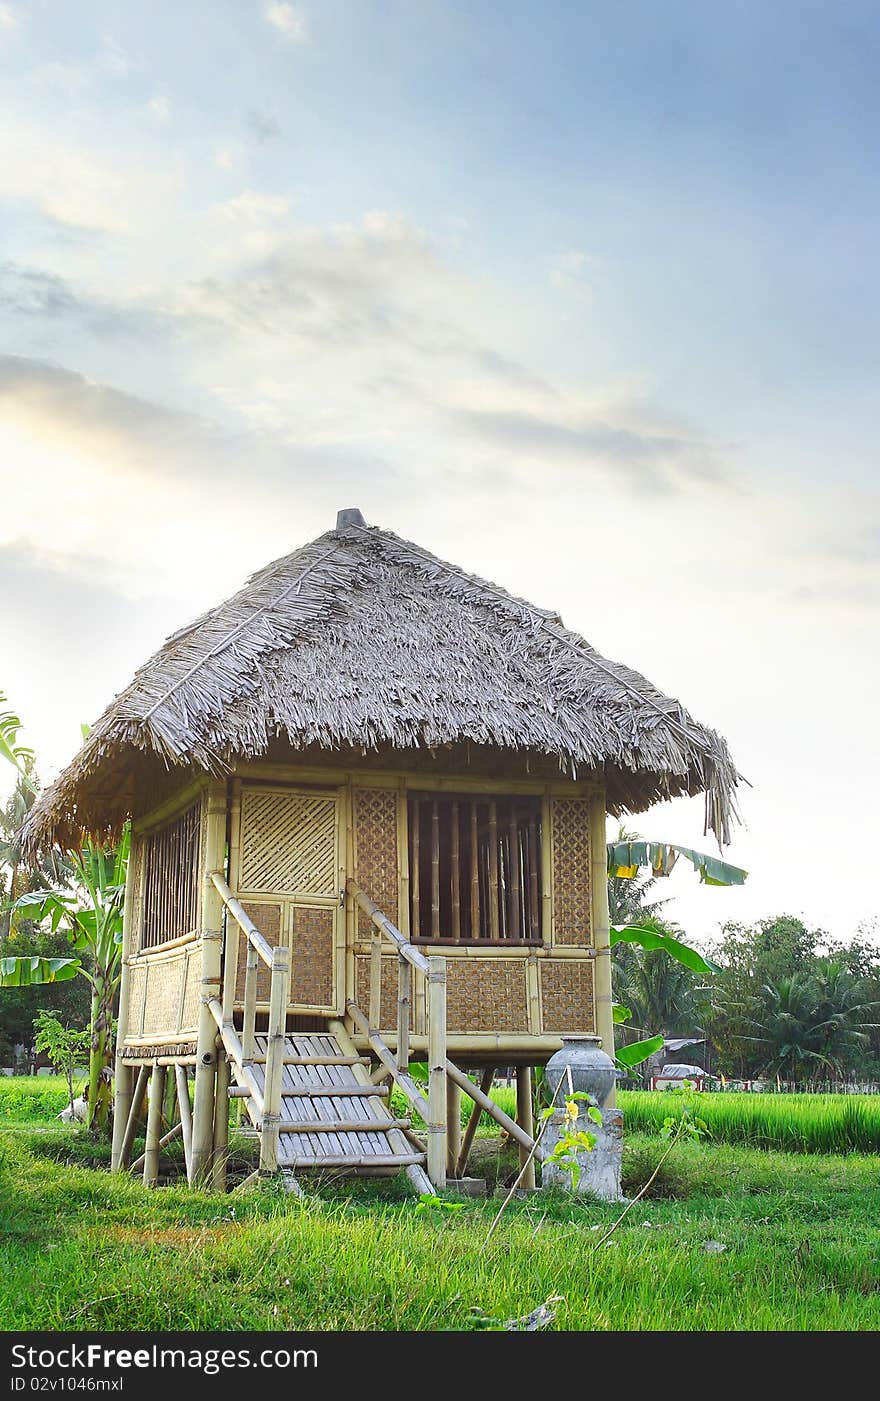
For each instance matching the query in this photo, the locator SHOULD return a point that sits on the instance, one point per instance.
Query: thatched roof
(363, 641)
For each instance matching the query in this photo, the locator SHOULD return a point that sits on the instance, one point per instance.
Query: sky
(580, 296)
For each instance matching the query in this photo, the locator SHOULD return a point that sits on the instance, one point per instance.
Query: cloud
(262, 126)
(289, 20)
(570, 272)
(45, 299)
(10, 17)
(159, 108)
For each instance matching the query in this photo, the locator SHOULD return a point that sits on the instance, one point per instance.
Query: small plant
(429, 1202)
(565, 1151)
(64, 1046)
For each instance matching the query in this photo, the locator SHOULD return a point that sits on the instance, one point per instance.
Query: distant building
(672, 1076)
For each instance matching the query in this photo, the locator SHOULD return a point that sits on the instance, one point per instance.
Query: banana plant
(91, 915)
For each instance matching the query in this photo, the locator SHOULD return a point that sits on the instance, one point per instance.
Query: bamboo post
(375, 1008)
(221, 1125)
(233, 933)
(601, 922)
(416, 892)
(515, 929)
(470, 1132)
(455, 880)
(212, 925)
(404, 1002)
(252, 959)
(184, 1109)
(154, 1126)
(525, 1119)
(475, 873)
(534, 917)
(274, 1058)
(435, 870)
(164, 1141)
(453, 1127)
(437, 1071)
(124, 1074)
(494, 923)
(131, 1123)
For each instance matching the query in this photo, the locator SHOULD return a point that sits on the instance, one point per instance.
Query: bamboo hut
(368, 798)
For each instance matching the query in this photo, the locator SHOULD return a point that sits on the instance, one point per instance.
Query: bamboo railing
(432, 1109)
(241, 1049)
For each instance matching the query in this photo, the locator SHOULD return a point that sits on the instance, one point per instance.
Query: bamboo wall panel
(288, 843)
(567, 995)
(137, 986)
(189, 1019)
(571, 871)
(388, 1005)
(311, 969)
(164, 988)
(268, 919)
(135, 878)
(487, 994)
(170, 882)
(376, 842)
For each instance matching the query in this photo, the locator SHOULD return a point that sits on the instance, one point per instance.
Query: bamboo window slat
(171, 880)
(475, 869)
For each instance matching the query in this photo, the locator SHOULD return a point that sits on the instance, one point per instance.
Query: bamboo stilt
(453, 1126)
(510, 1125)
(415, 920)
(476, 931)
(154, 1126)
(184, 1109)
(525, 1119)
(164, 1141)
(437, 1071)
(470, 1132)
(221, 1126)
(134, 1112)
(435, 870)
(455, 872)
(494, 920)
(123, 1074)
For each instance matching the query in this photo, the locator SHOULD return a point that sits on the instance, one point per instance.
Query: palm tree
(811, 1021)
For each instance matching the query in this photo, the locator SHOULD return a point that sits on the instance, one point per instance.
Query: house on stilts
(368, 798)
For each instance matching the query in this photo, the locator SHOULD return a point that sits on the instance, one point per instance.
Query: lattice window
(171, 880)
(288, 843)
(475, 869)
(572, 920)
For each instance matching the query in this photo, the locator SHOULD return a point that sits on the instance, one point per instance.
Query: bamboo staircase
(309, 1096)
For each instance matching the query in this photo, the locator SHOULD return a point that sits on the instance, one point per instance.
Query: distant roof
(679, 1072)
(363, 641)
(675, 1043)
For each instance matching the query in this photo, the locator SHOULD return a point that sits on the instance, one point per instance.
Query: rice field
(792, 1123)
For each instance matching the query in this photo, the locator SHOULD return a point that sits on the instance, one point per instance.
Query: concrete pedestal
(600, 1169)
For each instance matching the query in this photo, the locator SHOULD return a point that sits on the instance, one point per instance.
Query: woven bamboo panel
(137, 978)
(189, 1017)
(267, 918)
(164, 988)
(567, 995)
(388, 1004)
(312, 957)
(486, 994)
(288, 843)
(135, 878)
(571, 871)
(376, 838)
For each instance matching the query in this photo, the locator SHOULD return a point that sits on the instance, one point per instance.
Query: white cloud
(289, 20)
(10, 17)
(112, 59)
(159, 108)
(570, 273)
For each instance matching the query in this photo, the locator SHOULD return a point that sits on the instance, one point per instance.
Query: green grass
(24, 1098)
(797, 1123)
(80, 1249)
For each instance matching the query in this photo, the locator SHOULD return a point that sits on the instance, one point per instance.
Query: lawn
(80, 1249)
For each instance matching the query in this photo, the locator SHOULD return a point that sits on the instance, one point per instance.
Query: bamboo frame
(453, 1126)
(601, 930)
(277, 1032)
(515, 927)
(492, 1109)
(404, 1002)
(525, 1119)
(329, 775)
(470, 1132)
(435, 870)
(375, 1009)
(415, 918)
(212, 911)
(475, 874)
(494, 920)
(221, 1126)
(455, 870)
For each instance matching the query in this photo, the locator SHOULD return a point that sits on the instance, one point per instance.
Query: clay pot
(592, 1071)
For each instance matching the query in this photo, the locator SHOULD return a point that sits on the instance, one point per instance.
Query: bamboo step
(333, 1092)
(313, 1060)
(340, 1160)
(342, 1125)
